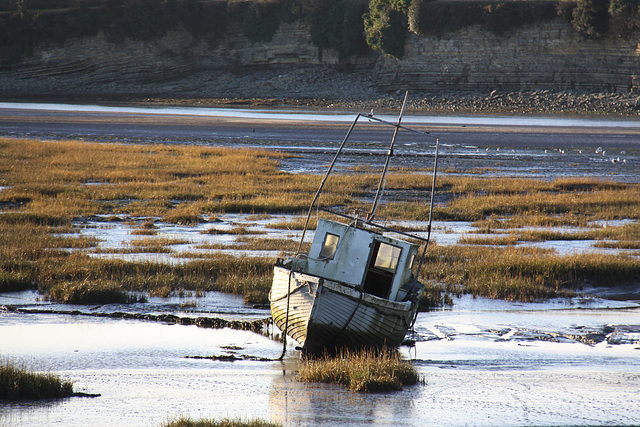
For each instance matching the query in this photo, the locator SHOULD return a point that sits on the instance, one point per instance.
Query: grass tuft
(87, 292)
(365, 370)
(19, 383)
(227, 422)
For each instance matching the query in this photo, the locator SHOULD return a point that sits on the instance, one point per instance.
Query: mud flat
(483, 363)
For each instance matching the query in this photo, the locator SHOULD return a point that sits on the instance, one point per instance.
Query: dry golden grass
(296, 224)
(31, 256)
(258, 244)
(515, 197)
(154, 241)
(364, 370)
(239, 231)
(524, 274)
(489, 241)
(618, 245)
(48, 180)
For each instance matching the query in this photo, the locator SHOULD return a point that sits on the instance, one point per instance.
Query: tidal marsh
(45, 199)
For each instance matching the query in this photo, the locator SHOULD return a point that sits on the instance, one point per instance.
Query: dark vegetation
(440, 17)
(17, 383)
(350, 27)
(386, 25)
(25, 24)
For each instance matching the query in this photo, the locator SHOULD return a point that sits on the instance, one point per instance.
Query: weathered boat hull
(324, 315)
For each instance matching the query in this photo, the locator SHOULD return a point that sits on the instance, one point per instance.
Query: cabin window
(387, 257)
(329, 246)
(411, 261)
(382, 267)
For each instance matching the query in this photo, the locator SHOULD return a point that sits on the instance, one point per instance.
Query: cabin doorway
(382, 268)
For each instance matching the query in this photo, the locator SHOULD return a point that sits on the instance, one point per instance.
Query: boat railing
(373, 224)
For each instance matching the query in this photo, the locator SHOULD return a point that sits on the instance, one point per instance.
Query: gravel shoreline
(537, 102)
(320, 88)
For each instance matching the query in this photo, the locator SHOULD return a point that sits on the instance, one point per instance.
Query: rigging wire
(385, 170)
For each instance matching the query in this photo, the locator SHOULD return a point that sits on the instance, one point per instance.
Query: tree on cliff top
(625, 17)
(591, 17)
(337, 24)
(261, 20)
(386, 25)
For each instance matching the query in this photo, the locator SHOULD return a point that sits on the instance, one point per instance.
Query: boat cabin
(358, 257)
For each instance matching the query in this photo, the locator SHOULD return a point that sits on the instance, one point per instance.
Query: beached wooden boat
(356, 287)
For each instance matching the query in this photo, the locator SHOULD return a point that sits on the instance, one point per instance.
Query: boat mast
(381, 184)
(433, 190)
(383, 178)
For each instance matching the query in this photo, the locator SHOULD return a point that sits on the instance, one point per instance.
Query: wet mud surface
(481, 363)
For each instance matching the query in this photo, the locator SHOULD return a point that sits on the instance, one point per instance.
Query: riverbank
(322, 88)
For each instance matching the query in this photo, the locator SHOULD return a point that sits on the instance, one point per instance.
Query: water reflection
(295, 403)
(282, 114)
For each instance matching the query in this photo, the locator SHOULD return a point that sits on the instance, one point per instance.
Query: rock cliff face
(549, 55)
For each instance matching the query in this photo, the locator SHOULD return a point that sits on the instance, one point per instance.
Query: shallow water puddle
(117, 239)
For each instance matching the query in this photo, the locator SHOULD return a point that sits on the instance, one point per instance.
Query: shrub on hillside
(261, 20)
(591, 17)
(624, 18)
(338, 25)
(442, 17)
(386, 25)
